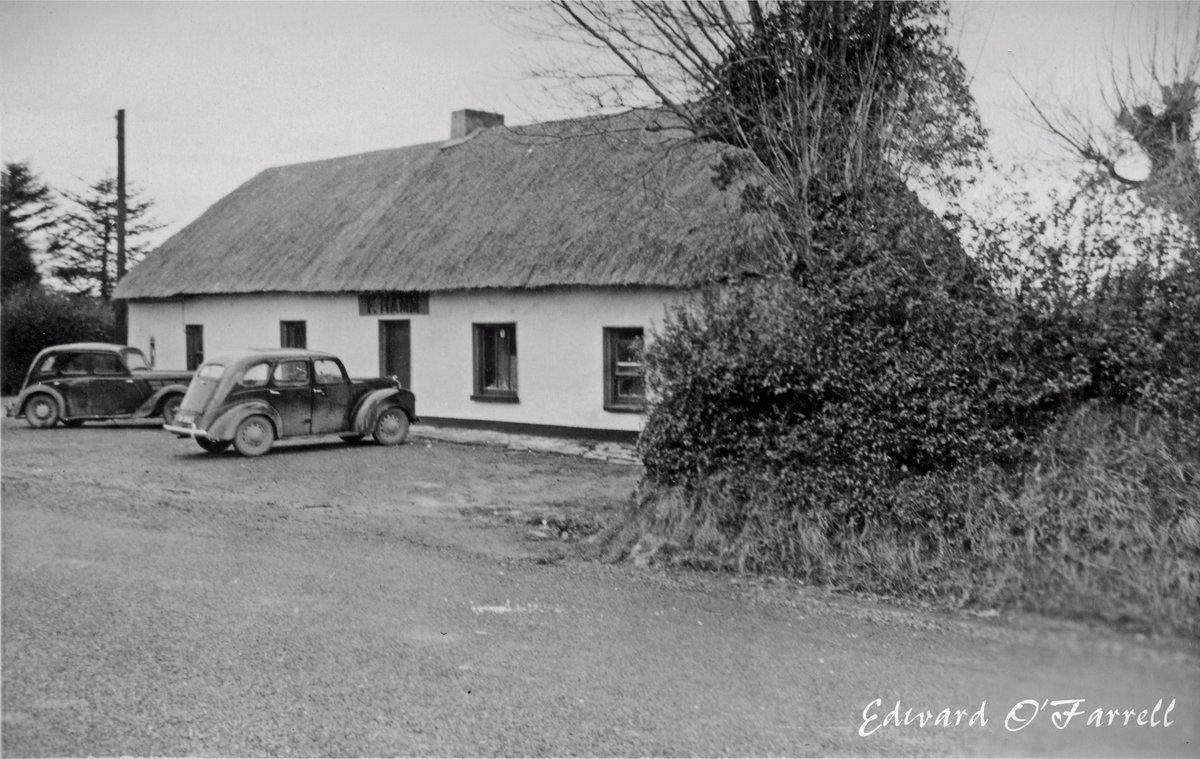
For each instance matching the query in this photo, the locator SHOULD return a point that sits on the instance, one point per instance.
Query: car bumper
(189, 430)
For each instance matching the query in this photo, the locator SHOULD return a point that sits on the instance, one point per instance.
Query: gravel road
(356, 600)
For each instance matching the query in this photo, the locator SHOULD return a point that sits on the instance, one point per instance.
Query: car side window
(107, 364)
(77, 365)
(290, 373)
(255, 376)
(328, 372)
(49, 364)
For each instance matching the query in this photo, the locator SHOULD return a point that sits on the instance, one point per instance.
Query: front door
(331, 397)
(394, 357)
(112, 391)
(291, 395)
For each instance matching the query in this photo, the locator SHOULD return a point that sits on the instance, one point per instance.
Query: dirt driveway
(356, 600)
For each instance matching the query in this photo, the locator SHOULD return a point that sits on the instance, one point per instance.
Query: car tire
(392, 426)
(41, 411)
(254, 436)
(213, 446)
(170, 408)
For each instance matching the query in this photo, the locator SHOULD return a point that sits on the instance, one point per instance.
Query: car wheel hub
(254, 434)
(41, 410)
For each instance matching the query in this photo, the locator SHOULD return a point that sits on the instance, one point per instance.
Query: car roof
(248, 356)
(87, 347)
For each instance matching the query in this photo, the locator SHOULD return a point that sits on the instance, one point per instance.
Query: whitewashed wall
(560, 350)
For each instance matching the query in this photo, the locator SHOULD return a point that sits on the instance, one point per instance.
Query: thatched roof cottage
(428, 261)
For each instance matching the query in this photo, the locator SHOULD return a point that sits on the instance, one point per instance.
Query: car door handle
(318, 391)
(273, 392)
(129, 381)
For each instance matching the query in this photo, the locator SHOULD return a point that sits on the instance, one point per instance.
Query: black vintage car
(81, 382)
(251, 398)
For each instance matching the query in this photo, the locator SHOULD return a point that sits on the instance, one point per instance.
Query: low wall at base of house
(541, 430)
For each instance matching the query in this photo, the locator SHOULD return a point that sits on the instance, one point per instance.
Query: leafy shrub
(33, 318)
(895, 378)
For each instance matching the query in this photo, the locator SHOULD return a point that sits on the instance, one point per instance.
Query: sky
(215, 92)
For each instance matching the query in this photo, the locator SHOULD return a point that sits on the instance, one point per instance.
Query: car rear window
(291, 373)
(211, 371)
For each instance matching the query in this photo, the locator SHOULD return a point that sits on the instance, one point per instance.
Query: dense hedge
(895, 420)
(32, 318)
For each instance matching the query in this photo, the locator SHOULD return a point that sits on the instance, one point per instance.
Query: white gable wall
(560, 350)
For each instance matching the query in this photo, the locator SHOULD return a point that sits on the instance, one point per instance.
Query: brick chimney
(463, 122)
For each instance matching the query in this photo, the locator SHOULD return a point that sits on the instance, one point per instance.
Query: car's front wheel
(392, 427)
(170, 409)
(254, 436)
(41, 411)
(213, 446)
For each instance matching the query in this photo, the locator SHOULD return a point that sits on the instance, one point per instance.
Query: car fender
(152, 406)
(227, 423)
(18, 406)
(373, 404)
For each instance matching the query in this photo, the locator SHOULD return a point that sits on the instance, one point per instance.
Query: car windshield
(135, 359)
(211, 371)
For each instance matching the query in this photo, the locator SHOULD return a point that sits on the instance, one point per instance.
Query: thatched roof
(598, 202)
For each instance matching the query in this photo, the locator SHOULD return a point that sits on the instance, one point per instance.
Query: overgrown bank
(1102, 524)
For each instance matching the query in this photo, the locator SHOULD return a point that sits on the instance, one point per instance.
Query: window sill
(496, 398)
(625, 408)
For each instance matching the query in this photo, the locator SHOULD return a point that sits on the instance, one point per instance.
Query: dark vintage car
(82, 382)
(251, 398)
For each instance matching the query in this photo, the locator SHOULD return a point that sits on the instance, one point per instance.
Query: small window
(328, 372)
(211, 371)
(76, 365)
(49, 364)
(290, 374)
(624, 373)
(135, 359)
(256, 376)
(293, 335)
(495, 363)
(107, 364)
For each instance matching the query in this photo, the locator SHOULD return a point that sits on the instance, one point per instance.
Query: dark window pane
(78, 364)
(106, 363)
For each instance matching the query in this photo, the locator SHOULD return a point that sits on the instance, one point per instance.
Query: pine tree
(83, 249)
(26, 208)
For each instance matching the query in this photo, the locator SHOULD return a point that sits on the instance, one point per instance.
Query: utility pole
(119, 313)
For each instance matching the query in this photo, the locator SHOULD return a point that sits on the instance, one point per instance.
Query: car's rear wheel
(41, 411)
(170, 409)
(213, 446)
(392, 427)
(254, 436)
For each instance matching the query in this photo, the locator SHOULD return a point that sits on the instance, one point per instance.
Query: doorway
(395, 357)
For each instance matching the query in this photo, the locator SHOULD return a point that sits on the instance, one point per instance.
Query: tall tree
(1153, 97)
(26, 208)
(827, 100)
(83, 248)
